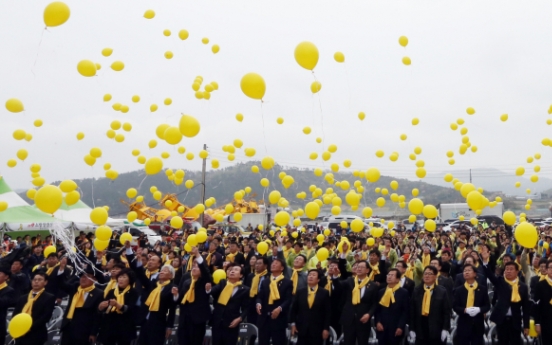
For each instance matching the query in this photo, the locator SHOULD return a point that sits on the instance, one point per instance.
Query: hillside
(222, 184)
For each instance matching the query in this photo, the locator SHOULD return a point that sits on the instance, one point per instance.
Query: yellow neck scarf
(308, 252)
(437, 279)
(230, 257)
(208, 258)
(357, 288)
(120, 297)
(190, 264)
(254, 290)
(310, 297)
(409, 272)
(104, 261)
(150, 273)
(426, 303)
(515, 290)
(51, 269)
(164, 257)
(28, 308)
(471, 293)
(389, 295)
(155, 296)
(426, 260)
(227, 292)
(190, 295)
(549, 283)
(110, 286)
(3, 285)
(125, 261)
(375, 271)
(78, 300)
(295, 280)
(274, 293)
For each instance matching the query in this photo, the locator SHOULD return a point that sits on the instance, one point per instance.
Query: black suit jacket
(447, 283)
(353, 313)
(503, 295)
(439, 311)
(466, 323)
(20, 283)
(238, 259)
(54, 282)
(223, 315)
(311, 321)
(8, 298)
(481, 280)
(533, 286)
(121, 324)
(284, 288)
(158, 321)
(86, 320)
(199, 310)
(41, 313)
(396, 315)
(381, 278)
(409, 286)
(542, 311)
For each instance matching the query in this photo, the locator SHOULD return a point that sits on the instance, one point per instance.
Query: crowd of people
(404, 284)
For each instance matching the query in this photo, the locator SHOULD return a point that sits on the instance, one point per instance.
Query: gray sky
(493, 56)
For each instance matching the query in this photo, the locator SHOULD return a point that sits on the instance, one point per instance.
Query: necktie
(515, 290)
(255, 283)
(28, 308)
(312, 294)
(471, 294)
(190, 294)
(154, 297)
(78, 300)
(227, 292)
(426, 303)
(389, 296)
(274, 293)
(357, 288)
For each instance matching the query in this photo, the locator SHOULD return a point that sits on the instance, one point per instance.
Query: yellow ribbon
(389, 295)
(312, 294)
(357, 288)
(426, 303)
(28, 308)
(155, 296)
(78, 300)
(274, 293)
(255, 283)
(227, 292)
(471, 294)
(190, 295)
(515, 290)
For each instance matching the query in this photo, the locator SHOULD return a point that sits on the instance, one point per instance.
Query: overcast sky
(494, 56)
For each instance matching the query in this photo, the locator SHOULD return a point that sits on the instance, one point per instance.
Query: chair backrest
(248, 334)
(492, 336)
(55, 320)
(54, 338)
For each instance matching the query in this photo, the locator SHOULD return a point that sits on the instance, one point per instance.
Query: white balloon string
(38, 50)
(93, 202)
(321, 117)
(264, 135)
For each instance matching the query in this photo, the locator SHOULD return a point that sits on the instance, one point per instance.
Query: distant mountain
(491, 179)
(222, 184)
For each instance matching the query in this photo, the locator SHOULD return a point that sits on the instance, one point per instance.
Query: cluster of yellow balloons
(207, 89)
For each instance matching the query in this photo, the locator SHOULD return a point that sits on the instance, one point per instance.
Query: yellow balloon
(20, 325)
(14, 105)
(153, 165)
(48, 199)
(361, 116)
(172, 135)
(117, 66)
(306, 55)
(218, 275)
(403, 41)
(315, 86)
(415, 206)
(253, 85)
(55, 14)
(72, 198)
(149, 14)
(215, 48)
(406, 61)
(267, 163)
(183, 34)
(239, 117)
(189, 126)
(86, 68)
(526, 235)
(373, 175)
(80, 136)
(339, 57)
(22, 154)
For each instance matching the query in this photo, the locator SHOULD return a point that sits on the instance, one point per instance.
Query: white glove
(474, 311)
(412, 336)
(444, 335)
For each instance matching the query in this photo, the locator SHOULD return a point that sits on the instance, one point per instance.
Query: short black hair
(431, 268)
(470, 266)
(282, 262)
(235, 265)
(543, 261)
(375, 251)
(403, 264)
(368, 267)
(40, 273)
(52, 255)
(397, 272)
(304, 258)
(130, 274)
(320, 274)
(512, 263)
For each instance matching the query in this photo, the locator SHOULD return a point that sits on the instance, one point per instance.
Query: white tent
(79, 214)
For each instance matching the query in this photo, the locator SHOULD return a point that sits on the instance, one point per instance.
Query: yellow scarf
(409, 272)
(437, 279)
(515, 290)
(150, 273)
(78, 300)
(426, 260)
(155, 296)
(471, 294)
(459, 253)
(120, 297)
(164, 257)
(208, 258)
(230, 257)
(3, 285)
(329, 284)
(190, 295)
(125, 261)
(542, 277)
(190, 264)
(357, 288)
(227, 292)
(549, 283)
(104, 261)
(426, 303)
(375, 271)
(310, 297)
(254, 290)
(295, 280)
(274, 293)
(28, 308)
(110, 286)
(389, 295)
(51, 269)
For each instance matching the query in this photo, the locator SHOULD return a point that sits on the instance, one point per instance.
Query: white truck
(250, 218)
(453, 211)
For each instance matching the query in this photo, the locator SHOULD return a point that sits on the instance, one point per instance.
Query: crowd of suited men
(112, 296)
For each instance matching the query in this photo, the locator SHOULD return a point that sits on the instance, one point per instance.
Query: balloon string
(93, 202)
(38, 50)
(321, 118)
(140, 185)
(264, 135)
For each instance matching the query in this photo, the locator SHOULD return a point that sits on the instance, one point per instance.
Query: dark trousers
(467, 336)
(356, 333)
(388, 337)
(190, 333)
(115, 342)
(424, 338)
(546, 335)
(68, 339)
(225, 336)
(508, 332)
(267, 332)
(309, 340)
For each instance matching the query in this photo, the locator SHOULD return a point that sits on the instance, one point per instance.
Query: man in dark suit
(230, 300)
(19, 280)
(234, 255)
(193, 301)
(378, 272)
(81, 321)
(273, 303)
(52, 268)
(471, 302)
(405, 282)
(513, 306)
(254, 282)
(310, 312)
(295, 274)
(212, 257)
(429, 311)
(359, 296)
(40, 305)
(542, 311)
(442, 277)
(481, 279)
(392, 310)
(8, 297)
(537, 278)
(336, 295)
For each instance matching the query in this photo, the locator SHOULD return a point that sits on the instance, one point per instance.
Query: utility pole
(470, 175)
(203, 185)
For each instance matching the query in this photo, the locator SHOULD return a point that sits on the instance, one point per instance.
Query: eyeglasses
(429, 274)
